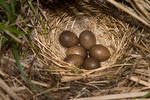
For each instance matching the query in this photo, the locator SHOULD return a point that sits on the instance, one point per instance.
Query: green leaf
(21, 2)
(3, 41)
(38, 17)
(25, 53)
(5, 5)
(12, 29)
(16, 56)
(12, 7)
(75, 69)
(3, 17)
(146, 95)
(0, 31)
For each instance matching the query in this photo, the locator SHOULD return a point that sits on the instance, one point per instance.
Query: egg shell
(68, 39)
(91, 63)
(87, 39)
(78, 50)
(75, 60)
(99, 52)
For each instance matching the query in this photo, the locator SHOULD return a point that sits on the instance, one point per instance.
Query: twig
(138, 99)
(39, 83)
(88, 74)
(13, 36)
(3, 73)
(53, 89)
(115, 96)
(6, 88)
(133, 78)
(3, 96)
(148, 73)
(128, 11)
(18, 89)
(12, 60)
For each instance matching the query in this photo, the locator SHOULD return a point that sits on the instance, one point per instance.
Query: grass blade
(12, 29)
(3, 41)
(36, 14)
(4, 4)
(146, 95)
(12, 5)
(16, 56)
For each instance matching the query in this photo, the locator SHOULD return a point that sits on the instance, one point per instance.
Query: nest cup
(109, 31)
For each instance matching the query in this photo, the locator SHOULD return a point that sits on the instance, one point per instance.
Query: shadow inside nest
(79, 8)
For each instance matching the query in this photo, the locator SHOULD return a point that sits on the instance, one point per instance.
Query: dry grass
(127, 70)
(139, 10)
(117, 40)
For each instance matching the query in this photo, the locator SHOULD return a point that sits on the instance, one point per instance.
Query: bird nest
(122, 38)
(111, 32)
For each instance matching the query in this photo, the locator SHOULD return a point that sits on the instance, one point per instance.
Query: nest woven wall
(110, 29)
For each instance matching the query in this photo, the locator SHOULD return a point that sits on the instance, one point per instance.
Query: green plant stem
(16, 56)
(36, 14)
(146, 95)
(7, 9)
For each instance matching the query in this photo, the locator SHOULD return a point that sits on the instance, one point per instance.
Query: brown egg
(99, 52)
(75, 60)
(68, 39)
(78, 50)
(91, 63)
(87, 39)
